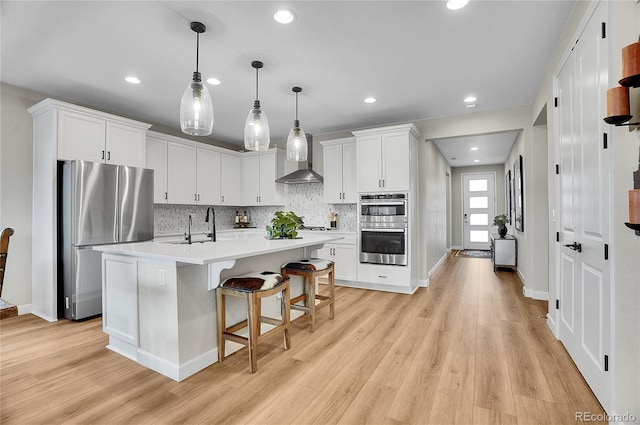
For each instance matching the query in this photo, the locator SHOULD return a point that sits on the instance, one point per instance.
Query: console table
(504, 251)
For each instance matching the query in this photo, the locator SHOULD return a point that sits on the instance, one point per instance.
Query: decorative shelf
(634, 226)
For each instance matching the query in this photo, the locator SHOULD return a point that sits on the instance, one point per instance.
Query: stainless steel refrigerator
(99, 204)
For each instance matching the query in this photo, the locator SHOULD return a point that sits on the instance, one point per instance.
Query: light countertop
(230, 246)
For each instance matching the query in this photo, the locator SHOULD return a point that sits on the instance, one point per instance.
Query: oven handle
(383, 203)
(385, 230)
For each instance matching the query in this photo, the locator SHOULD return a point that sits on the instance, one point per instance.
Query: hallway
(468, 349)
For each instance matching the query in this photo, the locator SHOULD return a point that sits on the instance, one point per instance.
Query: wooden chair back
(4, 250)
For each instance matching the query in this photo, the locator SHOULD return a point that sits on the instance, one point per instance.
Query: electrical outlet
(162, 277)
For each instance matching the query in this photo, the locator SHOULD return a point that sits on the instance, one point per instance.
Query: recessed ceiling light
(470, 99)
(131, 79)
(475, 148)
(476, 160)
(370, 100)
(213, 81)
(471, 105)
(284, 16)
(456, 4)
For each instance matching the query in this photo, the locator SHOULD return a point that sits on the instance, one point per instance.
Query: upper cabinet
(340, 171)
(260, 171)
(82, 133)
(191, 173)
(386, 158)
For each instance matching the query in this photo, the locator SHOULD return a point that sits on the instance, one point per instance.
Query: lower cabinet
(120, 298)
(345, 256)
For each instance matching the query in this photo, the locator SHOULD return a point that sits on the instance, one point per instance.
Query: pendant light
(256, 128)
(196, 108)
(297, 141)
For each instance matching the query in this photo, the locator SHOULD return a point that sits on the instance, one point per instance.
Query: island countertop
(225, 248)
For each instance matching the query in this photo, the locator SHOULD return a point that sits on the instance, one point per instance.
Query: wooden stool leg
(222, 323)
(332, 294)
(311, 300)
(286, 316)
(253, 337)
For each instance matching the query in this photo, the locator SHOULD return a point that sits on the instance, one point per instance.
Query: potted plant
(284, 225)
(501, 221)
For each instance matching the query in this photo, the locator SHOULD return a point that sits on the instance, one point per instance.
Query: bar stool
(252, 287)
(309, 270)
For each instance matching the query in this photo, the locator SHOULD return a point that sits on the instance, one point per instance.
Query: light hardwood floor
(470, 349)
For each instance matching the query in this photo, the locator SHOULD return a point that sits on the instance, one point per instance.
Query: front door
(478, 192)
(584, 204)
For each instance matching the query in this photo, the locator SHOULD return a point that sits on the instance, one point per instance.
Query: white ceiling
(492, 148)
(418, 58)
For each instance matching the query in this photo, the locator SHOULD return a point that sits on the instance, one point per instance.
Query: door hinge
(557, 168)
(604, 30)
(606, 251)
(606, 363)
(604, 141)
(557, 236)
(555, 102)
(557, 304)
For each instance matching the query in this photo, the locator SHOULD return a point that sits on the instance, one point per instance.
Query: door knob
(575, 246)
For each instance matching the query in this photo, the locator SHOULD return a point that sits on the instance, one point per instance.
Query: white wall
(625, 245)
(16, 190)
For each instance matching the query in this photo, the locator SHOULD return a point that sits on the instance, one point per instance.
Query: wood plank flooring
(470, 349)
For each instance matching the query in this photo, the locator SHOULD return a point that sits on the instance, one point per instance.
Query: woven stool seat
(252, 287)
(309, 270)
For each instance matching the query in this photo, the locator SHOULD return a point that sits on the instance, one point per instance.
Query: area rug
(473, 254)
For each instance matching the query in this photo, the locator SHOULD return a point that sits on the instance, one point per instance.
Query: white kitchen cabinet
(340, 171)
(181, 174)
(344, 254)
(386, 158)
(120, 300)
(207, 177)
(156, 159)
(259, 173)
(95, 137)
(231, 180)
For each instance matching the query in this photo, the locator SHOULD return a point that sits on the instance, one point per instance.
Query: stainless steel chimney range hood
(304, 174)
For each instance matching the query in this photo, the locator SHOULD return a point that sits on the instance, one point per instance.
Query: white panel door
(181, 174)
(369, 154)
(478, 198)
(156, 159)
(584, 275)
(208, 176)
(231, 180)
(125, 145)
(395, 162)
(333, 174)
(81, 137)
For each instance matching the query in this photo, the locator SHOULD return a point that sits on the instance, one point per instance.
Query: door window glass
(479, 219)
(478, 185)
(479, 236)
(478, 202)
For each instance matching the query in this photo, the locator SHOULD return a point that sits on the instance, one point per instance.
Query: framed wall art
(518, 200)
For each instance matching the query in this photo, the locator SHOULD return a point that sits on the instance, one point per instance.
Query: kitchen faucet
(213, 223)
(187, 236)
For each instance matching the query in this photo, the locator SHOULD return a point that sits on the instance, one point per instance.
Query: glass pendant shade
(297, 141)
(196, 110)
(256, 130)
(297, 144)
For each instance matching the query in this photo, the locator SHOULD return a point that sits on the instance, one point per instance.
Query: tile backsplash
(306, 200)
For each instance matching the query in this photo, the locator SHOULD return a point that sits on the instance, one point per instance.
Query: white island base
(159, 308)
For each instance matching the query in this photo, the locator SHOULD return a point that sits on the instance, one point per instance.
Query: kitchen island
(159, 304)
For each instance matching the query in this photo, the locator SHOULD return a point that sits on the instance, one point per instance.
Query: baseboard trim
(454, 248)
(536, 295)
(553, 326)
(423, 283)
(438, 264)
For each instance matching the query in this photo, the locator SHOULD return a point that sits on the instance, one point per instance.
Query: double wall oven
(384, 229)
